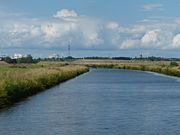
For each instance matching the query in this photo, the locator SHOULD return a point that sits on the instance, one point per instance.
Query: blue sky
(126, 11)
(94, 27)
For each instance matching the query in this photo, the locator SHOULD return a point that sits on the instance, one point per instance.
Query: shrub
(174, 64)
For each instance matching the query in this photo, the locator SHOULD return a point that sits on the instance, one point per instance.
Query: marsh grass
(164, 67)
(20, 81)
(17, 83)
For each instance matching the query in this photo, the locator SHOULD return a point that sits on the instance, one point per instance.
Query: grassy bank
(163, 67)
(20, 81)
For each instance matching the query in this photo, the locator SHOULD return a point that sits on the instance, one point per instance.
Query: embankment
(17, 85)
(162, 67)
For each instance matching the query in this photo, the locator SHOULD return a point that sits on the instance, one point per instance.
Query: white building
(54, 56)
(17, 56)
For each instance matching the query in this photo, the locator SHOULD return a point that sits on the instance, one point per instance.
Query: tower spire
(69, 48)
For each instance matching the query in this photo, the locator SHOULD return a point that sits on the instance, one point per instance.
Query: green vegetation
(174, 64)
(20, 81)
(164, 67)
(26, 59)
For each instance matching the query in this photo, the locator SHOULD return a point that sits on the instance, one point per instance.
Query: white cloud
(130, 43)
(88, 32)
(83, 31)
(176, 41)
(65, 13)
(112, 25)
(150, 7)
(35, 31)
(50, 31)
(149, 37)
(92, 39)
(177, 20)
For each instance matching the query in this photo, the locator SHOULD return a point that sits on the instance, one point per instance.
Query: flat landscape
(19, 81)
(89, 67)
(164, 67)
(102, 101)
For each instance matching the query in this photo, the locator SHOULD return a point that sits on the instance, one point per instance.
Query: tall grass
(21, 83)
(164, 67)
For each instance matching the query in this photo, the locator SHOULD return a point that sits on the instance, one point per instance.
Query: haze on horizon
(94, 27)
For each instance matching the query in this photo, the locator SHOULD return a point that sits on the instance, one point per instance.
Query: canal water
(101, 102)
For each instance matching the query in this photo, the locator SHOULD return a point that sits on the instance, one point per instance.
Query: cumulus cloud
(176, 41)
(112, 25)
(65, 13)
(84, 32)
(152, 6)
(88, 33)
(149, 37)
(130, 43)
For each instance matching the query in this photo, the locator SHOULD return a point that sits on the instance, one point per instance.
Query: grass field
(20, 81)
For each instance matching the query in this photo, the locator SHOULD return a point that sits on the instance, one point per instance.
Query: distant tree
(27, 59)
(8, 60)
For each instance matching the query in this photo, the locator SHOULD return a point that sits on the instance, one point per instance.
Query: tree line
(26, 59)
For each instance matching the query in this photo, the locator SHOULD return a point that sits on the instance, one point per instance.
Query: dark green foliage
(17, 90)
(142, 67)
(20, 87)
(8, 60)
(28, 59)
(174, 64)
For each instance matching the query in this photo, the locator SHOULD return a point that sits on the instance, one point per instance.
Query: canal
(100, 102)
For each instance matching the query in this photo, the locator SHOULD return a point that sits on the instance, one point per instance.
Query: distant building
(18, 56)
(54, 56)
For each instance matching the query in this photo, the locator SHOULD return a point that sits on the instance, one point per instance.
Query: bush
(8, 60)
(174, 64)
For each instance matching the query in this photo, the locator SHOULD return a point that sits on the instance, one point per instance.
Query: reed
(19, 83)
(171, 68)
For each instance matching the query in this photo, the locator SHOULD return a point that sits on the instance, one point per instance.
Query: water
(101, 102)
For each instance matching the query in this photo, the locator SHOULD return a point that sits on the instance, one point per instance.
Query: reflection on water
(101, 102)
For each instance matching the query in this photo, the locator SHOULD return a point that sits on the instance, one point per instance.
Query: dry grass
(20, 81)
(164, 67)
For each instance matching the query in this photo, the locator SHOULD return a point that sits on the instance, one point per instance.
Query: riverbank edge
(166, 71)
(7, 101)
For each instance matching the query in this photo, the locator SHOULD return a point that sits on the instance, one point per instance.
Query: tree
(27, 59)
(8, 60)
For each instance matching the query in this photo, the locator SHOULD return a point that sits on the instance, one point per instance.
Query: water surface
(101, 102)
